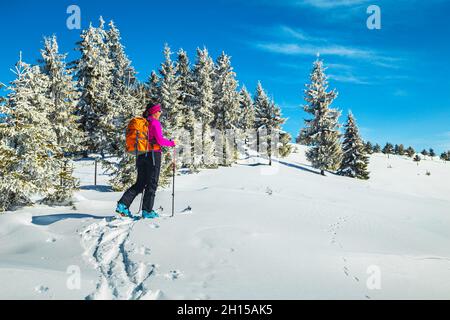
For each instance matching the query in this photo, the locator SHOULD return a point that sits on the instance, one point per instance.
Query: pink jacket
(155, 134)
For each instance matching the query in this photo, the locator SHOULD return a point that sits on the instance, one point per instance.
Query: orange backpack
(137, 137)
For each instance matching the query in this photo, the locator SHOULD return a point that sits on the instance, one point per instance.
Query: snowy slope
(254, 233)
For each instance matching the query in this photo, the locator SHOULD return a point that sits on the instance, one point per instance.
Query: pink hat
(154, 109)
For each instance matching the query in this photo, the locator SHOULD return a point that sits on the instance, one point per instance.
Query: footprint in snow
(50, 240)
(41, 289)
(356, 278)
(173, 275)
(143, 251)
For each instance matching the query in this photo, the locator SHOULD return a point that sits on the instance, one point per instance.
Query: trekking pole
(174, 164)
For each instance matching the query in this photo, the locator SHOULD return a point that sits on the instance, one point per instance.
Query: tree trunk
(322, 172)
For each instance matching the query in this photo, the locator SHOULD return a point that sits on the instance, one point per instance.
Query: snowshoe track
(107, 249)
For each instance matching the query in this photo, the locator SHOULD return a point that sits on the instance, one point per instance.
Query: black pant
(147, 179)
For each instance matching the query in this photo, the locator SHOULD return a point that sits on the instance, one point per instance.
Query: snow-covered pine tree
(187, 91)
(153, 89)
(203, 105)
(355, 160)
(444, 156)
(399, 149)
(62, 95)
(247, 115)
(410, 152)
(261, 102)
(376, 148)
(170, 94)
(286, 148)
(94, 76)
(172, 111)
(267, 118)
(388, 149)
(369, 147)
(124, 103)
(127, 99)
(28, 148)
(322, 131)
(225, 106)
(425, 153)
(417, 159)
(432, 153)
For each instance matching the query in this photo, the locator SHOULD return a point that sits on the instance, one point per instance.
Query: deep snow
(254, 233)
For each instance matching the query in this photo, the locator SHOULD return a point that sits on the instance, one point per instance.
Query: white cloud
(348, 78)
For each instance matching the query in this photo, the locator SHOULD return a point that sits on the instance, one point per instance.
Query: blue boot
(123, 211)
(149, 215)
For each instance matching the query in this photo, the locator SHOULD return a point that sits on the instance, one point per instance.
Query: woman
(149, 166)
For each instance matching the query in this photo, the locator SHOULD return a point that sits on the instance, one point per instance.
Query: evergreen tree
(153, 87)
(62, 96)
(94, 75)
(399, 149)
(425, 153)
(410, 152)
(225, 105)
(170, 94)
(322, 131)
(28, 145)
(128, 102)
(267, 117)
(388, 149)
(203, 102)
(246, 121)
(170, 98)
(369, 147)
(187, 103)
(432, 153)
(355, 159)
(444, 156)
(417, 159)
(286, 148)
(377, 148)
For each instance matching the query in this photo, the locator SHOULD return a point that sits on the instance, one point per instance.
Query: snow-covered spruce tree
(369, 147)
(410, 152)
(444, 156)
(322, 131)
(203, 106)
(225, 106)
(417, 159)
(261, 102)
(126, 98)
(267, 117)
(376, 148)
(388, 149)
(124, 104)
(153, 89)
(425, 153)
(28, 145)
(94, 76)
(187, 104)
(62, 96)
(399, 149)
(246, 121)
(432, 153)
(170, 101)
(285, 148)
(355, 160)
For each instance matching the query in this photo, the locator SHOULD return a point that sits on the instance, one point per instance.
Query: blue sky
(395, 80)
